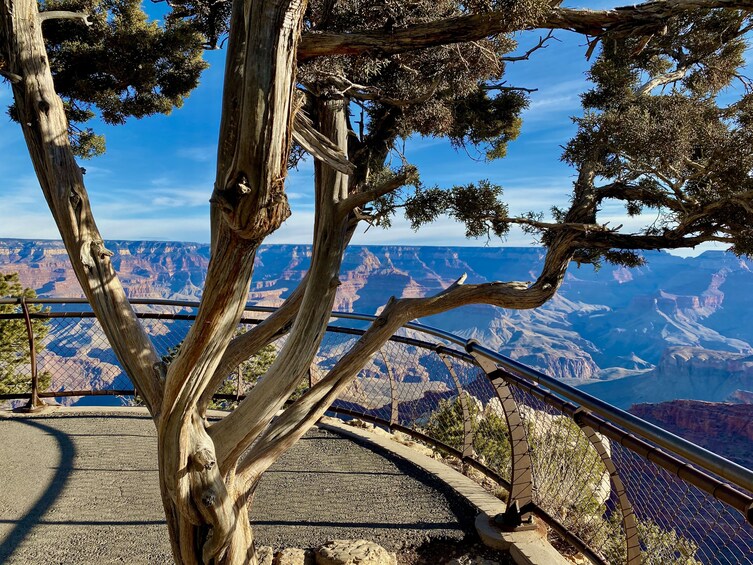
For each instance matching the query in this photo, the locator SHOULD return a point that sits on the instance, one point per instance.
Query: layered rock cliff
(616, 322)
(722, 427)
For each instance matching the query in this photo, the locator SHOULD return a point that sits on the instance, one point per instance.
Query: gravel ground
(83, 489)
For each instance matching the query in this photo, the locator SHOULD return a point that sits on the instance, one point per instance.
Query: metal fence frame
(723, 480)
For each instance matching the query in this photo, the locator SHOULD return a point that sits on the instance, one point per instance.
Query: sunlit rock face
(614, 323)
(683, 372)
(722, 427)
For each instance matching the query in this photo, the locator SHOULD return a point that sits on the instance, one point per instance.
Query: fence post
(521, 479)
(467, 424)
(394, 403)
(629, 523)
(35, 403)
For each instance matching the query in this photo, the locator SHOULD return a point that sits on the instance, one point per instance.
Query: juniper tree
(14, 339)
(347, 82)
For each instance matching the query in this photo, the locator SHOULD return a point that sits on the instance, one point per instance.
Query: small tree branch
(504, 88)
(572, 226)
(634, 193)
(356, 91)
(662, 80)
(406, 176)
(12, 77)
(670, 240)
(319, 145)
(527, 55)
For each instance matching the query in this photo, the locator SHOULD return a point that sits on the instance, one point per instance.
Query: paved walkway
(83, 490)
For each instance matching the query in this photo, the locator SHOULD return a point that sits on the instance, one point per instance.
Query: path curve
(82, 489)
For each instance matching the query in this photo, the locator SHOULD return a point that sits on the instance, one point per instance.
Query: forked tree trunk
(206, 504)
(216, 529)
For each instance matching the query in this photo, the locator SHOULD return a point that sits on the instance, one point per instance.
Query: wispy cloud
(189, 197)
(198, 154)
(559, 98)
(162, 181)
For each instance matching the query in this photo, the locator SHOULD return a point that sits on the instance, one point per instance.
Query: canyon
(674, 328)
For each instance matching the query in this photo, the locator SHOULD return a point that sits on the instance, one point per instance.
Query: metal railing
(617, 488)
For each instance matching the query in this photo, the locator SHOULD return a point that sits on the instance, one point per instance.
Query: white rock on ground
(294, 556)
(264, 555)
(354, 552)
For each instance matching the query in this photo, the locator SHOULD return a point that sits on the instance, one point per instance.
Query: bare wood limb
(12, 77)
(505, 88)
(284, 431)
(257, 115)
(299, 417)
(236, 432)
(249, 203)
(64, 15)
(571, 226)
(638, 18)
(245, 345)
(661, 80)
(361, 92)
(320, 146)
(527, 55)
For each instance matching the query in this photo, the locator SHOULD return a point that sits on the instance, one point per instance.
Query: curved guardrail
(617, 488)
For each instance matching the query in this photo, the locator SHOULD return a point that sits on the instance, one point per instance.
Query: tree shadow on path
(23, 527)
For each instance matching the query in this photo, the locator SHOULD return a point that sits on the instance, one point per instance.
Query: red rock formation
(722, 427)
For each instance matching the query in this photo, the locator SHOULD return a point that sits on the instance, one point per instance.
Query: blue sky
(155, 180)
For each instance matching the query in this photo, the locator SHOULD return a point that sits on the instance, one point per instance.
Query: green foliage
(668, 146)
(121, 66)
(479, 119)
(15, 377)
(248, 372)
(454, 91)
(488, 427)
(658, 546)
(477, 206)
(570, 479)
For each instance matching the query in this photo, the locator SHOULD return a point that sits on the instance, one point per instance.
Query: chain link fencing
(615, 497)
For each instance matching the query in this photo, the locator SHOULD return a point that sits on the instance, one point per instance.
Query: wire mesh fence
(615, 503)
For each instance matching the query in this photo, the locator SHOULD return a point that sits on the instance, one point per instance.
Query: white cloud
(174, 197)
(199, 154)
(559, 98)
(162, 181)
(184, 228)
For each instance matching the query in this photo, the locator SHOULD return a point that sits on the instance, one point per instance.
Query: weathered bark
(297, 419)
(245, 345)
(249, 203)
(45, 130)
(646, 17)
(331, 235)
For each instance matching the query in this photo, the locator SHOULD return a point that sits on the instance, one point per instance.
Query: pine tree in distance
(15, 377)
